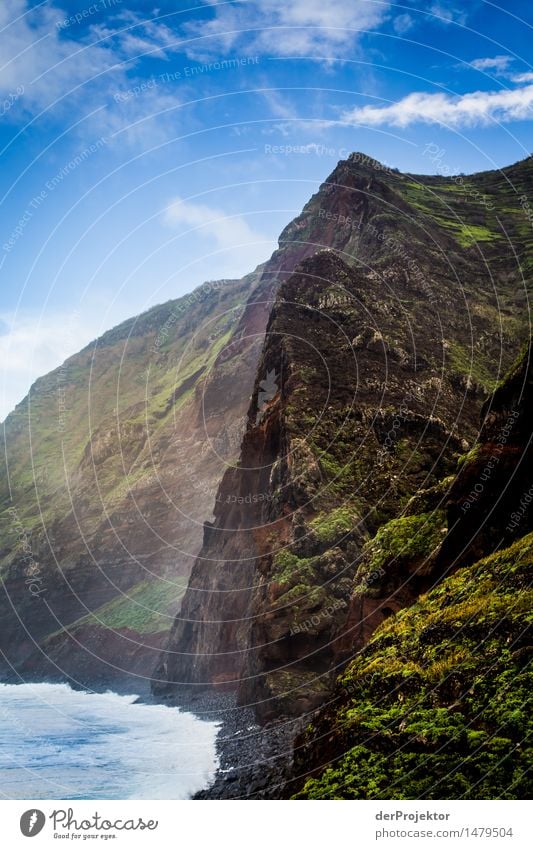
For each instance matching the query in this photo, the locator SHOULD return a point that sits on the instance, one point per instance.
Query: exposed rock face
(491, 495)
(113, 461)
(434, 706)
(358, 405)
(112, 466)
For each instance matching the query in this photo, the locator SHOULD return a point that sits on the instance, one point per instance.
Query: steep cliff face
(489, 499)
(324, 461)
(113, 461)
(112, 464)
(483, 507)
(435, 705)
(367, 391)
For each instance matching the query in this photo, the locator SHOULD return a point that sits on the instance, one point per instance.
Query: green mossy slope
(436, 706)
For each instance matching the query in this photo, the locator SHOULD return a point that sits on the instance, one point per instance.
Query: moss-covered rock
(408, 540)
(436, 706)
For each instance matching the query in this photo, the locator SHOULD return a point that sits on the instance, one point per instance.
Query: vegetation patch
(409, 538)
(148, 608)
(440, 695)
(332, 526)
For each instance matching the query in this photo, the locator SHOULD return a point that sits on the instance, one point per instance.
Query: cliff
(377, 359)
(113, 461)
(111, 466)
(435, 705)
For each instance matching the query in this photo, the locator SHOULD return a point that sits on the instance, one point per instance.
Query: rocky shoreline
(255, 761)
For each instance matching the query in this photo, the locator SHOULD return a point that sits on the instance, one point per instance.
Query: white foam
(59, 743)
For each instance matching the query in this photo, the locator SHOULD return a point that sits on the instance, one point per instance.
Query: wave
(60, 743)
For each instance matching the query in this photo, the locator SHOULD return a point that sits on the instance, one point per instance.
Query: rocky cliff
(436, 704)
(111, 466)
(113, 461)
(377, 359)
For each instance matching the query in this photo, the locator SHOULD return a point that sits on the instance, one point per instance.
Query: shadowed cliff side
(356, 407)
(436, 705)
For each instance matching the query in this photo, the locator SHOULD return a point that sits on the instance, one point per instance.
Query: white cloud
(467, 110)
(241, 247)
(303, 27)
(228, 231)
(527, 77)
(50, 58)
(447, 14)
(32, 345)
(403, 23)
(38, 56)
(278, 105)
(133, 35)
(497, 64)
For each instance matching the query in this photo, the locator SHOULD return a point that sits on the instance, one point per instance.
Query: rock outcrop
(365, 398)
(113, 461)
(435, 705)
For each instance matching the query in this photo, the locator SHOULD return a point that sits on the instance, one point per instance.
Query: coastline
(255, 762)
(58, 742)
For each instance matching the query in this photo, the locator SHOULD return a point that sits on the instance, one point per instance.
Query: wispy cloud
(31, 345)
(46, 62)
(61, 68)
(402, 23)
(446, 13)
(526, 77)
(240, 245)
(133, 35)
(496, 64)
(279, 106)
(278, 27)
(476, 108)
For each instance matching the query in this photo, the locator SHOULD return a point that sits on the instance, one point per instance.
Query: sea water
(60, 743)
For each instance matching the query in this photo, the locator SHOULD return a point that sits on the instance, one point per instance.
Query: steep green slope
(108, 480)
(438, 705)
(128, 384)
(438, 702)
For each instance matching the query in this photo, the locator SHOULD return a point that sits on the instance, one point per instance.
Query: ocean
(60, 743)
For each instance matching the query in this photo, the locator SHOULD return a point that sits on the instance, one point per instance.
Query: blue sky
(147, 147)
